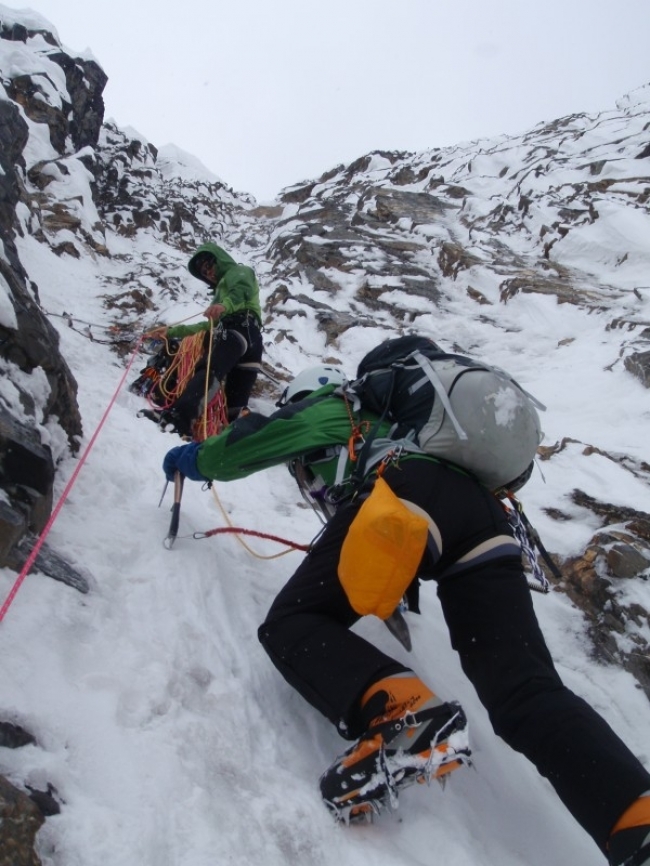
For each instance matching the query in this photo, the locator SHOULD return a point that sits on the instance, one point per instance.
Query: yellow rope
(240, 539)
(215, 411)
(181, 370)
(207, 382)
(183, 365)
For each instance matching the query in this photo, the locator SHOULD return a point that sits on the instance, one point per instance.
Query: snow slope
(167, 733)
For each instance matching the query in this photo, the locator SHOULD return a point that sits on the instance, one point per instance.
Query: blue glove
(183, 459)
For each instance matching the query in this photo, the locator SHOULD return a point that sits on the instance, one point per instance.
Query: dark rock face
(28, 342)
(13, 138)
(82, 113)
(26, 465)
(13, 736)
(85, 81)
(638, 363)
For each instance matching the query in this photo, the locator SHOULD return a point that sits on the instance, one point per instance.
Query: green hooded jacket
(236, 289)
(314, 429)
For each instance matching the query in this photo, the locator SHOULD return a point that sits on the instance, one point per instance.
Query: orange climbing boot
(412, 737)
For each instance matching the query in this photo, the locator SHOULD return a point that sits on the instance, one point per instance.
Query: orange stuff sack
(381, 552)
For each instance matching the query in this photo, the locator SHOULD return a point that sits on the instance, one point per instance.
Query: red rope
(240, 531)
(59, 505)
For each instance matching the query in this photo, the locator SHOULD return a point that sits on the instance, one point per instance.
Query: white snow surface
(174, 162)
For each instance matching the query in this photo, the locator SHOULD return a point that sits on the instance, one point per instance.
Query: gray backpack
(467, 413)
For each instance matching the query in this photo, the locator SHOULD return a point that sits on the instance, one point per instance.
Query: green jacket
(313, 429)
(236, 289)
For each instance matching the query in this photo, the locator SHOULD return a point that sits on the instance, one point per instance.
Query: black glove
(183, 459)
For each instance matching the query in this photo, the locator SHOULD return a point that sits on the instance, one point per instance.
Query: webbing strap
(341, 463)
(432, 376)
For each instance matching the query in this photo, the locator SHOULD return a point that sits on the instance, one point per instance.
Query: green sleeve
(256, 442)
(177, 332)
(238, 290)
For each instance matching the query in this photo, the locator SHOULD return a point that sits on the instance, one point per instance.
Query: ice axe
(176, 510)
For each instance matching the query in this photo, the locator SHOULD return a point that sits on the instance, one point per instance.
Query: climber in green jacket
(402, 731)
(235, 316)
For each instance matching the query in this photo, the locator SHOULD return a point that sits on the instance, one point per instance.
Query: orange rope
(215, 411)
(182, 367)
(180, 372)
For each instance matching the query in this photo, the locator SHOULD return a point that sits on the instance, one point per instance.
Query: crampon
(370, 774)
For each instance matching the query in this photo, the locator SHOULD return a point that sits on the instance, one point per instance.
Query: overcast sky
(267, 94)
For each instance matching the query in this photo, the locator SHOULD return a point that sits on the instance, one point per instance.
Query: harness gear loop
(393, 456)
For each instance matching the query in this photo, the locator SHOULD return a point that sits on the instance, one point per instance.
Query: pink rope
(59, 505)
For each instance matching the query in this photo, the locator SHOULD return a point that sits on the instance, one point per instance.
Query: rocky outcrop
(135, 194)
(43, 387)
(21, 813)
(79, 115)
(601, 579)
(638, 363)
(604, 580)
(20, 820)
(44, 390)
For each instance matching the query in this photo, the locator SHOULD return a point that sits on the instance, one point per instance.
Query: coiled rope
(181, 369)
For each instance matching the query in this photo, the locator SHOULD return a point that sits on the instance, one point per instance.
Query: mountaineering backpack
(462, 411)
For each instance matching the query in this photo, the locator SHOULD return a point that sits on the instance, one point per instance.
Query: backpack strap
(439, 388)
(341, 463)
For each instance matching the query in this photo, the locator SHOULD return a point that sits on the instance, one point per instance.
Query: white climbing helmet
(310, 380)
